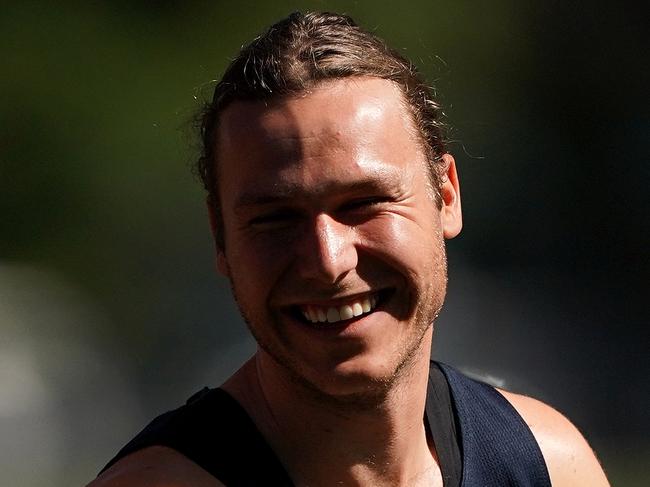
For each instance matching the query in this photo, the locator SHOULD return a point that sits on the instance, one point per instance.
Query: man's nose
(326, 251)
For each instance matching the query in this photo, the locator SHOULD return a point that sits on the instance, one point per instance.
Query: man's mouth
(355, 307)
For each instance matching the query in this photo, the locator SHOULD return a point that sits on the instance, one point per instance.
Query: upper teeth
(332, 314)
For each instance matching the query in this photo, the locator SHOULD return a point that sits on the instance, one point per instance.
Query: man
(330, 195)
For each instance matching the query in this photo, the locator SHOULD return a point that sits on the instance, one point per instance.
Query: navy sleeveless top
(480, 439)
(498, 448)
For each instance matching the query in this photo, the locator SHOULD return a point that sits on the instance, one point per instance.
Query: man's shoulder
(155, 466)
(157, 455)
(569, 458)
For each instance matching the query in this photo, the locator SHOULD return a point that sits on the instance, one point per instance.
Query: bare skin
(341, 404)
(404, 457)
(569, 458)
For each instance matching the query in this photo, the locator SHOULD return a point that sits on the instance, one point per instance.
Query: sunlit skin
(326, 199)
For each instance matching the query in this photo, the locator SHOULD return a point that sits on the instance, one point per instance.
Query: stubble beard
(378, 389)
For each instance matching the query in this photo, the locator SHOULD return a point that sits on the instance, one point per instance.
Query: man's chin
(358, 391)
(353, 384)
(353, 376)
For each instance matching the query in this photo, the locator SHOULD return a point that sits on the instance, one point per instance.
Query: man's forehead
(363, 115)
(346, 104)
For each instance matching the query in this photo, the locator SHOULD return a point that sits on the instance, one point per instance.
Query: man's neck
(321, 443)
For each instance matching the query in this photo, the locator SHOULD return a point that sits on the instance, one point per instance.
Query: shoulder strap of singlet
(441, 423)
(497, 446)
(215, 432)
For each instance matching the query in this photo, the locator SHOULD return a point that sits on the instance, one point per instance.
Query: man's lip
(331, 300)
(303, 311)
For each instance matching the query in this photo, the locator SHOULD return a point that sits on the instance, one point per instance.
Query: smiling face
(333, 240)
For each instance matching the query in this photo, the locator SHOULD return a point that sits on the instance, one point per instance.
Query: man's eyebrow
(262, 196)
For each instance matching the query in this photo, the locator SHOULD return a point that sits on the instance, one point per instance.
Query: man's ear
(216, 228)
(451, 215)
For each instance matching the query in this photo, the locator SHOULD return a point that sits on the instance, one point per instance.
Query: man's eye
(274, 218)
(364, 203)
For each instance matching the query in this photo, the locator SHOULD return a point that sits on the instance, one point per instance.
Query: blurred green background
(111, 312)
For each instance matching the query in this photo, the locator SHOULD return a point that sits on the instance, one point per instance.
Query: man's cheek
(399, 238)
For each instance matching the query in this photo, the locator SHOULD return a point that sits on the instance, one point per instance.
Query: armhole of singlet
(215, 432)
(440, 418)
(498, 448)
